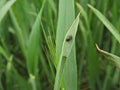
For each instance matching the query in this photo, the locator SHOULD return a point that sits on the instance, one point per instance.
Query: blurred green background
(31, 38)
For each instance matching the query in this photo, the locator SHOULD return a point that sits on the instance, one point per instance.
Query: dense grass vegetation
(53, 45)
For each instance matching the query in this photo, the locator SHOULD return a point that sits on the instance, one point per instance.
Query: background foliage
(31, 38)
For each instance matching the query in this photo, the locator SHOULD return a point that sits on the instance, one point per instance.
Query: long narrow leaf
(33, 49)
(3, 52)
(65, 19)
(5, 8)
(105, 21)
(19, 32)
(33, 44)
(111, 57)
(66, 49)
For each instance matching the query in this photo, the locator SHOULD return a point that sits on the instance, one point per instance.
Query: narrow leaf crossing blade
(111, 57)
(105, 21)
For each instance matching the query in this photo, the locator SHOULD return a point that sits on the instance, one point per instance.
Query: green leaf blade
(33, 44)
(111, 57)
(65, 19)
(66, 50)
(105, 21)
(5, 8)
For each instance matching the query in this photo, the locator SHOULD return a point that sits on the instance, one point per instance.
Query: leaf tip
(77, 4)
(88, 5)
(98, 48)
(78, 14)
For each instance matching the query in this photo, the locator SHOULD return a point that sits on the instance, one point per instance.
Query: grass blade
(33, 48)
(33, 44)
(66, 49)
(19, 32)
(65, 19)
(52, 5)
(93, 70)
(111, 57)
(3, 52)
(5, 8)
(105, 21)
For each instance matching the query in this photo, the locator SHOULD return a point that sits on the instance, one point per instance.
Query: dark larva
(69, 38)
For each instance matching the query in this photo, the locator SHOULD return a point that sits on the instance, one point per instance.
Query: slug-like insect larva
(69, 38)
